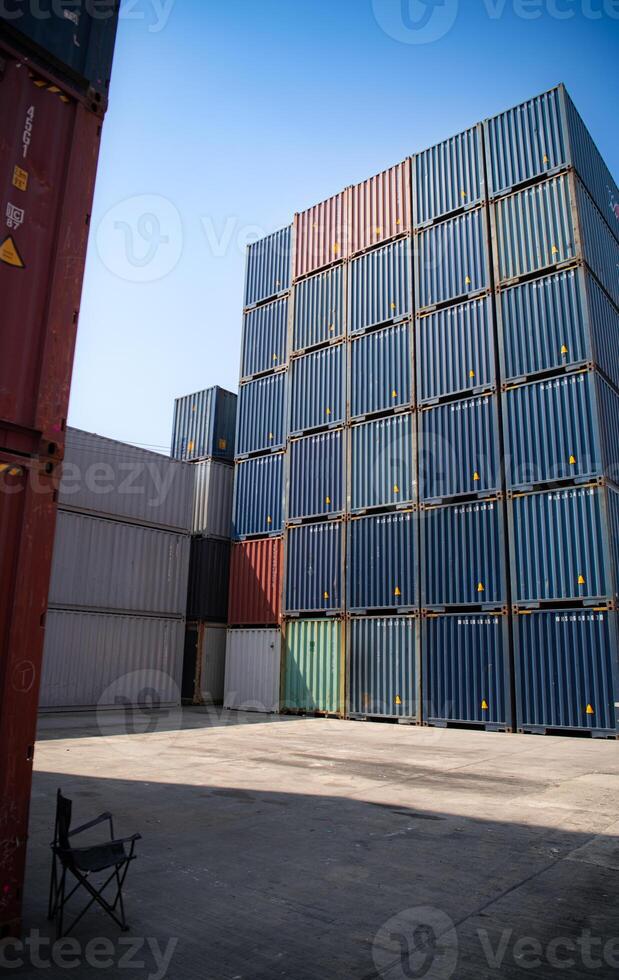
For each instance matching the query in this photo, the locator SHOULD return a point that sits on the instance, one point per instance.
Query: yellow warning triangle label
(328, 411)
(468, 280)
(270, 436)
(590, 710)
(484, 705)
(325, 595)
(397, 699)
(275, 357)
(581, 580)
(471, 374)
(336, 248)
(396, 488)
(572, 460)
(480, 587)
(396, 591)
(546, 159)
(394, 393)
(378, 231)
(554, 250)
(476, 477)
(393, 306)
(269, 521)
(331, 327)
(564, 349)
(327, 500)
(9, 254)
(462, 194)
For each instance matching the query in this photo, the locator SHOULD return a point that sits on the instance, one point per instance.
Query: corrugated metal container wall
(566, 669)
(106, 565)
(463, 555)
(380, 207)
(382, 665)
(204, 425)
(382, 562)
(466, 672)
(318, 389)
(380, 286)
(265, 335)
(459, 448)
(253, 664)
(209, 577)
(316, 478)
(267, 269)
(455, 350)
(319, 309)
(255, 582)
(452, 259)
(599, 245)
(321, 235)
(91, 659)
(212, 653)
(381, 371)
(258, 496)
(314, 672)
(383, 463)
(314, 554)
(448, 176)
(116, 480)
(261, 420)
(561, 545)
(212, 504)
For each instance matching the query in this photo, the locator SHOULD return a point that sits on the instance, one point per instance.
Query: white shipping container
(212, 505)
(253, 660)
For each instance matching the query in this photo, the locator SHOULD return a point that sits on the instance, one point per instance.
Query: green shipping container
(314, 675)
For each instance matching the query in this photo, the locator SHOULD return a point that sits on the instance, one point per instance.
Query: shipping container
(459, 448)
(255, 582)
(382, 467)
(318, 389)
(47, 188)
(204, 425)
(314, 568)
(382, 562)
(261, 417)
(380, 208)
(209, 578)
(381, 371)
(383, 673)
(321, 235)
(463, 555)
(212, 663)
(319, 315)
(557, 322)
(448, 177)
(455, 352)
(267, 268)
(253, 670)
(110, 566)
(112, 479)
(466, 674)
(258, 502)
(316, 478)
(564, 545)
(314, 670)
(99, 660)
(567, 670)
(379, 286)
(212, 503)
(265, 338)
(564, 428)
(452, 260)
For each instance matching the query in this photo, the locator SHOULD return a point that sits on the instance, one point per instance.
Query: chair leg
(53, 900)
(61, 904)
(97, 896)
(119, 897)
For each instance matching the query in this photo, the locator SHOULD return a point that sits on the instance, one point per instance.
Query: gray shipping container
(212, 505)
(265, 337)
(253, 666)
(318, 389)
(383, 471)
(314, 568)
(267, 270)
(258, 496)
(381, 371)
(382, 562)
(455, 352)
(319, 314)
(452, 260)
(316, 476)
(383, 672)
(261, 419)
(379, 286)
(448, 176)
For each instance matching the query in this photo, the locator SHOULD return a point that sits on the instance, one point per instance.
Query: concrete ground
(315, 849)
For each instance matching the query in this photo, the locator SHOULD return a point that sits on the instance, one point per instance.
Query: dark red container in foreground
(255, 582)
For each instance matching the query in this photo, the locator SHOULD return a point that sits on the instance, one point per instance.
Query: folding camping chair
(83, 862)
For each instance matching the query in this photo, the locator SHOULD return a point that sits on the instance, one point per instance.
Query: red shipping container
(380, 208)
(321, 235)
(255, 582)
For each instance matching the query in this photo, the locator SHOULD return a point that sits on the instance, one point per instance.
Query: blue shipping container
(380, 286)
(455, 350)
(261, 422)
(382, 566)
(204, 425)
(314, 557)
(381, 371)
(318, 389)
(452, 259)
(319, 309)
(382, 667)
(267, 270)
(383, 463)
(448, 176)
(316, 475)
(265, 334)
(258, 496)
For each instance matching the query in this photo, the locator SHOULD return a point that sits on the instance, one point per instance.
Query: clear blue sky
(229, 115)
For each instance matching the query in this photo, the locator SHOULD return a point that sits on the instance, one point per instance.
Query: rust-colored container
(255, 582)
(321, 235)
(380, 208)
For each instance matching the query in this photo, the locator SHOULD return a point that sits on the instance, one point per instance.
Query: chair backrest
(64, 807)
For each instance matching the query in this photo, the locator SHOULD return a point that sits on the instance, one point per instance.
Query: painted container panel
(383, 462)
(380, 207)
(316, 482)
(265, 335)
(455, 350)
(313, 666)
(204, 425)
(380, 286)
(91, 659)
(382, 664)
(600, 247)
(448, 176)
(267, 267)
(589, 164)
(255, 582)
(319, 309)
(381, 370)
(382, 562)
(209, 578)
(258, 496)
(321, 235)
(452, 259)
(261, 418)
(463, 555)
(314, 558)
(212, 653)
(253, 665)
(566, 669)
(318, 389)
(459, 448)
(212, 503)
(466, 673)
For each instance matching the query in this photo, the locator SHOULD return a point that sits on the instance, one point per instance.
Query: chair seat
(100, 857)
